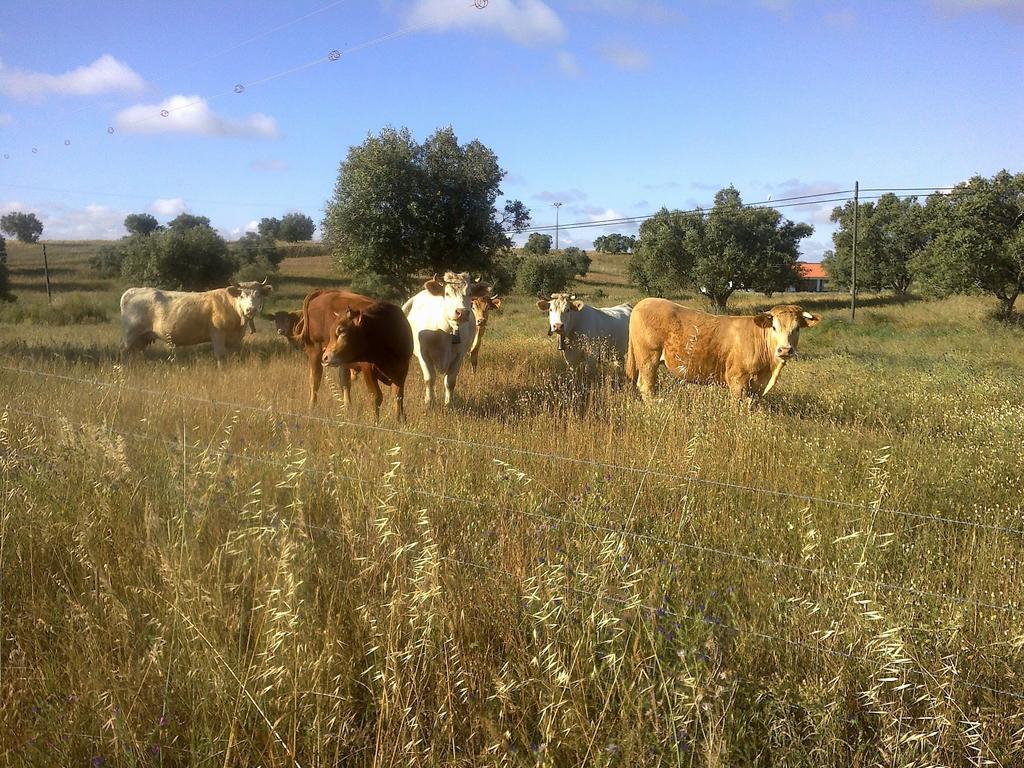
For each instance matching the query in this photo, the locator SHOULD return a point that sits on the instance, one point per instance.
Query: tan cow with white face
(183, 318)
(482, 307)
(745, 353)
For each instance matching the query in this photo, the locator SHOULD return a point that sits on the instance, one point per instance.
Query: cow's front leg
(220, 346)
(450, 377)
(427, 368)
(375, 393)
(345, 382)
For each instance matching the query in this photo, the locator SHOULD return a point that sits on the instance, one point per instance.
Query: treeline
(969, 240)
(189, 254)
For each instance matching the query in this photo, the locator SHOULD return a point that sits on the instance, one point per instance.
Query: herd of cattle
(445, 321)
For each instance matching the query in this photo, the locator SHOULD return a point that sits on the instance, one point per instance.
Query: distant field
(196, 569)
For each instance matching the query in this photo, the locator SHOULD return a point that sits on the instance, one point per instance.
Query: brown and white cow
(356, 334)
(744, 353)
(182, 318)
(482, 307)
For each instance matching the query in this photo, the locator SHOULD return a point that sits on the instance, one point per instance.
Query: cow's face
(482, 306)
(783, 324)
(562, 310)
(284, 322)
(249, 297)
(346, 341)
(457, 290)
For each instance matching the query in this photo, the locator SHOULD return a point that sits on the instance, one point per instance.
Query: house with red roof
(813, 278)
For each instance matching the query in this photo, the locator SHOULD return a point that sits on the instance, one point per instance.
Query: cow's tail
(631, 369)
(303, 334)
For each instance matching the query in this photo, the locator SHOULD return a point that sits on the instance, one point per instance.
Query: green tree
(614, 243)
(579, 259)
(257, 257)
(24, 226)
(296, 227)
(269, 227)
(141, 224)
(108, 260)
(890, 234)
(194, 258)
(5, 278)
(729, 247)
(185, 221)
(978, 243)
(538, 244)
(543, 274)
(400, 207)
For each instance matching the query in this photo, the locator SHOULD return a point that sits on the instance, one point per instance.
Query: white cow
(181, 319)
(443, 328)
(586, 333)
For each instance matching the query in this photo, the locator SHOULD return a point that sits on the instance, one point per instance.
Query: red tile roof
(812, 271)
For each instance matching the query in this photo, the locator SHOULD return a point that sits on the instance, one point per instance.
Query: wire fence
(538, 512)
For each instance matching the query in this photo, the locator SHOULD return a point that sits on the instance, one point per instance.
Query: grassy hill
(196, 566)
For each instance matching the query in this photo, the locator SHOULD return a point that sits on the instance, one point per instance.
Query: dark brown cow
(350, 331)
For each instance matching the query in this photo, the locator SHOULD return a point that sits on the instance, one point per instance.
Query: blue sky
(614, 107)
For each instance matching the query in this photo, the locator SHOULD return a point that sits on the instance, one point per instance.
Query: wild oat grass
(189, 583)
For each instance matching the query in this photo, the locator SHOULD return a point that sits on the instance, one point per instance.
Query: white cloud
(567, 64)
(105, 75)
(192, 115)
(60, 222)
(528, 22)
(565, 196)
(237, 232)
(625, 57)
(168, 207)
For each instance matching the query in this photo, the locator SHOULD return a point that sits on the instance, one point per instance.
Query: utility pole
(853, 280)
(557, 206)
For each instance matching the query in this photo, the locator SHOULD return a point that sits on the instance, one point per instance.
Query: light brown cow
(482, 306)
(181, 319)
(745, 353)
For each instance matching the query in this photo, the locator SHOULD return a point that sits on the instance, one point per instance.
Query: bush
(251, 248)
(544, 275)
(192, 259)
(107, 261)
(257, 271)
(579, 259)
(69, 309)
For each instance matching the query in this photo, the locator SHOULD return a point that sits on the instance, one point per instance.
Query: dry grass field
(197, 569)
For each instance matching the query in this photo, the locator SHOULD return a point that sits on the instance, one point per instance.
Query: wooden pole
(853, 280)
(46, 275)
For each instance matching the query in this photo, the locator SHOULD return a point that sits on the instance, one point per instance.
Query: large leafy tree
(890, 234)
(719, 251)
(296, 227)
(192, 258)
(615, 243)
(538, 243)
(141, 224)
(978, 241)
(186, 221)
(269, 227)
(401, 207)
(24, 226)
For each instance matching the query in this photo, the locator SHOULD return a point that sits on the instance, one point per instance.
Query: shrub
(191, 259)
(381, 287)
(5, 279)
(544, 275)
(579, 259)
(107, 261)
(68, 309)
(251, 248)
(256, 270)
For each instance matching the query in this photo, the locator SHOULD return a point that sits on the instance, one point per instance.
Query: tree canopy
(296, 227)
(190, 258)
(24, 226)
(269, 227)
(5, 281)
(891, 233)
(978, 243)
(401, 207)
(141, 224)
(537, 243)
(615, 243)
(731, 246)
(184, 221)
